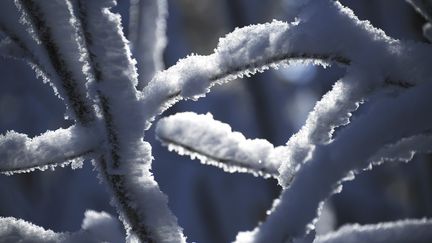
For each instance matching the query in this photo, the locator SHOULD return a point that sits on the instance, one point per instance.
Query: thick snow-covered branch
(193, 76)
(413, 230)
(213, 142)
(147, 26)
(112, 69)
(256, 48)
(19, 153)
(125, 165)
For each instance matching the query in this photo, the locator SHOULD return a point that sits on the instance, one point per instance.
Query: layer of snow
(54, 29)
(129, 157)
(102, 227)
(19, 153)
(97, 227)
(213, 142)
(18, 230)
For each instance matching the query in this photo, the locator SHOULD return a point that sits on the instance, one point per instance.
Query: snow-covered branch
(147, 26)
(413, 230)
(329, 164)
(256, 48)
(213, 142)
(49, 24)
(125, 165)
(245, 51)
(19, 153)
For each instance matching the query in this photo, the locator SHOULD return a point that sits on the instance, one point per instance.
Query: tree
(79, 48)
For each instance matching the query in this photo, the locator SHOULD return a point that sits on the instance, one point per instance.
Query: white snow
(19, 153)
(328, 165)
(102, 227)
(54, 29)
(213, 142)
(18, 230)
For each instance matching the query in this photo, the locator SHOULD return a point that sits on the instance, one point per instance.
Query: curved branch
(405, 149)
(21, 40)
(125, 163)
(213, 142)
(256, 48)
(92, 230)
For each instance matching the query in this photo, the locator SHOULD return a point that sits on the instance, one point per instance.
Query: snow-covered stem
(203, 72)
(96, 227)
(256, 48)
(147, 24)
(65, 62)
(19, 153)
(213, 142)
(125, 165)
(411, 230)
